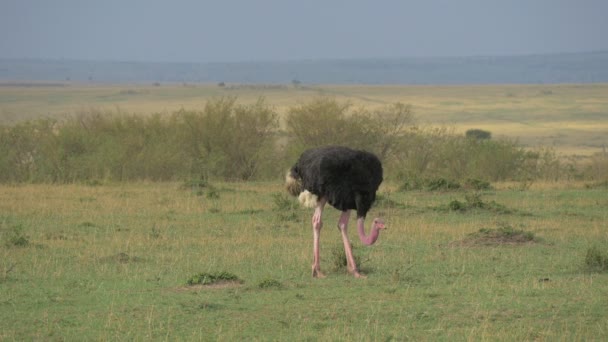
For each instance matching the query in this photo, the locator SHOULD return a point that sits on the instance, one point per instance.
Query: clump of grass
(473, 201)
(285, 207)
(212, 193)
(441, 184)
(93, 182)
(213, 196)
(444, 184)
(477, 184)
(504, 235)
(282, 202)
(596, 258)
(196, 184)
(338, 257)
(5, 270)
(270, 284)
(87, 224)
(597, 185)
(155, 233)
(121, 258)
(202, 187)
(212, 278)
(430, 184)
(16, 237)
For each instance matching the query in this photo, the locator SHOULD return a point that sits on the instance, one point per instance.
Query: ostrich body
(346, 179)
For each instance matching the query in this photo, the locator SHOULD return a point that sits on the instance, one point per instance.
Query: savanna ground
(112, 261)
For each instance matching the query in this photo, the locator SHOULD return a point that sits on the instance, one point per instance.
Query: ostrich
(346, 179)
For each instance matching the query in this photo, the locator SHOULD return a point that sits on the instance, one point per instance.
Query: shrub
(229, 141)
(438, 153)
(478, 134)
(325, 121)
(597, 258)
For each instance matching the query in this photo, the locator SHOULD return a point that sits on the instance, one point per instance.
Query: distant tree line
(229, 141)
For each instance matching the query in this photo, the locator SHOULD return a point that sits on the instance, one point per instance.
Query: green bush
(478, 134)
(438, 153)
(597, 258)
(227, 140)
(230, 141)
(325, 121)
(224, 140)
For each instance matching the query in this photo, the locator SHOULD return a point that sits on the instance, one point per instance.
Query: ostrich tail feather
(308, 199)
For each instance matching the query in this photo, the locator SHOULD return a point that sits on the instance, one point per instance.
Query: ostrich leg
(351, 266)
(317, 223)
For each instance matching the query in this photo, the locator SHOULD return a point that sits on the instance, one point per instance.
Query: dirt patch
(505, 235)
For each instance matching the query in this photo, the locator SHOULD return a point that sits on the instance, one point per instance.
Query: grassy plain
(111, 262)
(571, 118)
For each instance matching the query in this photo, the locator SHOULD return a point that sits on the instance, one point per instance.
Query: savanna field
(522, 256)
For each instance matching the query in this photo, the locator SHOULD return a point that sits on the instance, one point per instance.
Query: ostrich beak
(379, 223)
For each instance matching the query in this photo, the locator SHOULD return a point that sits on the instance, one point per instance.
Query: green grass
(112, 262)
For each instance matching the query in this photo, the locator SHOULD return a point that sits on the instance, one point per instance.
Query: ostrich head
(377, 225)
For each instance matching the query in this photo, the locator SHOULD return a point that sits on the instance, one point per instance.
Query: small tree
(478, 134)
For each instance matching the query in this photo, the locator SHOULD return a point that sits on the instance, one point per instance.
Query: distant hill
(551, 68)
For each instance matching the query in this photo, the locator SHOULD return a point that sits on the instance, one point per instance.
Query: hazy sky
(250, 30)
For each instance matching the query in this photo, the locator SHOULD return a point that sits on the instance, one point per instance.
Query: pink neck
(373, 235)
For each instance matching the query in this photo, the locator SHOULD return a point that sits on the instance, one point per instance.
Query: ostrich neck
(367, 239)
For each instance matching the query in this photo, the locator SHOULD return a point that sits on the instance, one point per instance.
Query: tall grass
(229, 141)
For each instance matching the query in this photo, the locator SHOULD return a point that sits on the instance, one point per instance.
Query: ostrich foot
(316, 273)
(356, 274)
